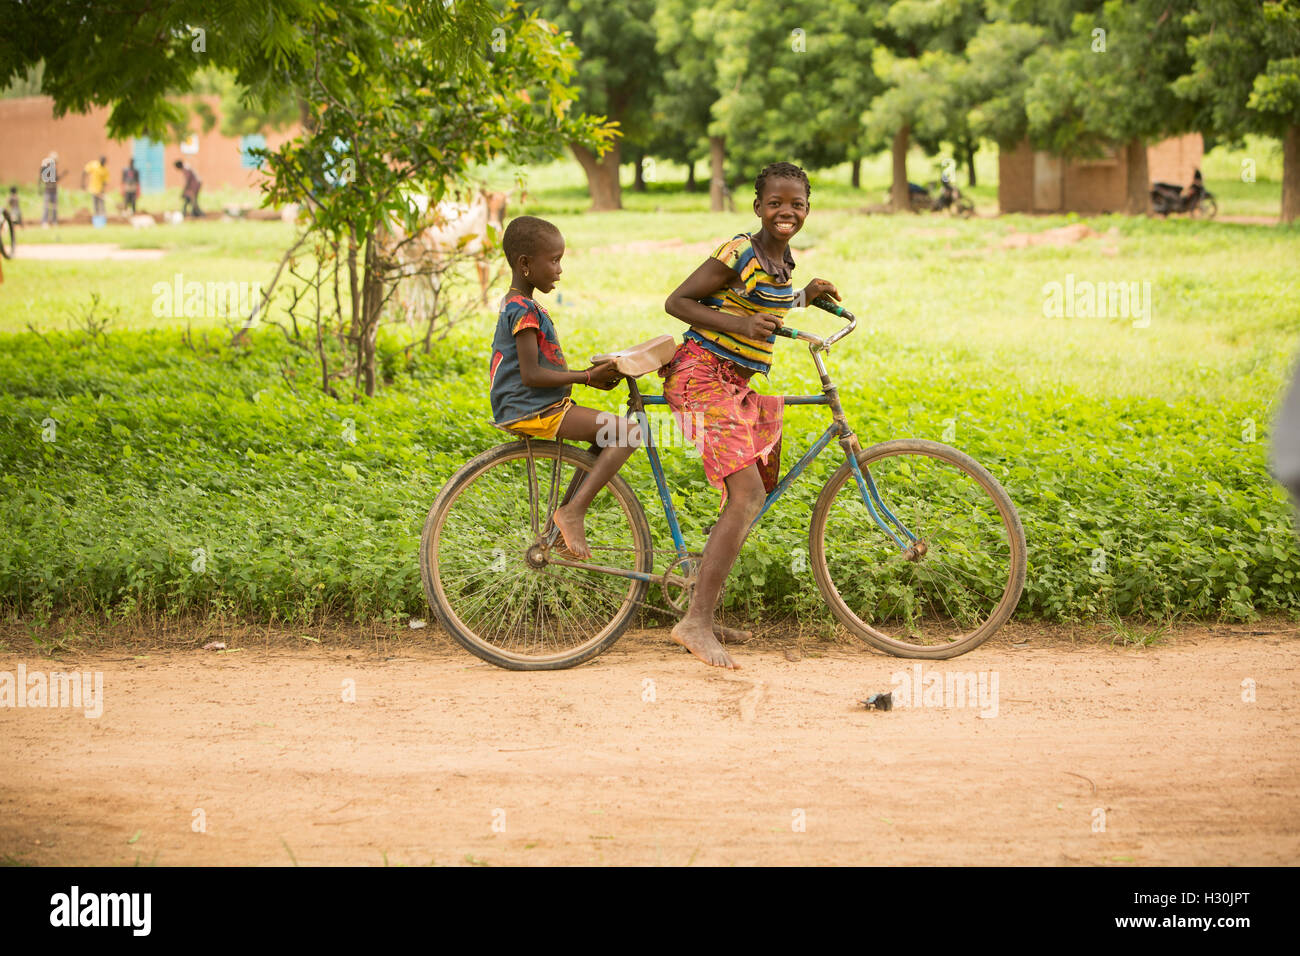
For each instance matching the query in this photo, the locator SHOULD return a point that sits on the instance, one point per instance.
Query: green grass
(1134, 441)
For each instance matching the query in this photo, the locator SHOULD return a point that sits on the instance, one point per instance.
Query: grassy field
(1143, 440)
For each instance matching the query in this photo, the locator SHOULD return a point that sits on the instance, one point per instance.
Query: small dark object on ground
(883, 701)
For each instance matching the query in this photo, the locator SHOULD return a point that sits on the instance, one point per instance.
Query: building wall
(29, 130)
(1096, 185)
(1016, 179)
(1176, 160)
(1027, 178)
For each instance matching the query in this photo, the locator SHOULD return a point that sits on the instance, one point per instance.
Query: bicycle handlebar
(828, 304)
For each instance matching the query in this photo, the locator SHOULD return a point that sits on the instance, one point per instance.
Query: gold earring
(525, 273)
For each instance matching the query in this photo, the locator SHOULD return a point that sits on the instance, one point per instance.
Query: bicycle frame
(838, 430)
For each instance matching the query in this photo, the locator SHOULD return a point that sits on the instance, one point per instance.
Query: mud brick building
(1032, 180)
(29, 130)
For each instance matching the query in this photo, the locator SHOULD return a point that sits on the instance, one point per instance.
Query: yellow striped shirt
(760, 292)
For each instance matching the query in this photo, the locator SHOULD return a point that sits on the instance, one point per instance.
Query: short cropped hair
(781, 171)
(524, 236)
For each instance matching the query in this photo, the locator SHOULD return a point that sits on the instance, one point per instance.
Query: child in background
(15, 210)
(94, 179)
(190, 191)
(49, 180)
(530, 380)
(130, 186)
(734, 303)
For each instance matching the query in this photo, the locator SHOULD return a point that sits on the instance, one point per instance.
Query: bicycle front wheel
(489, 571)
(6, 236)
(959, 578)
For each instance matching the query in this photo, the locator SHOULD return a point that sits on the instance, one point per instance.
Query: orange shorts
(544, 424)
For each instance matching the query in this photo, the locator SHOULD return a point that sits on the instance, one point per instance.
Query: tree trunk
(690, 176)
(970, 163)
(900, 199)
(717, 174)
(1138, 189)
(602, 177)
(371, 302)
(856, 178)
(638, 174)
(1291, 174)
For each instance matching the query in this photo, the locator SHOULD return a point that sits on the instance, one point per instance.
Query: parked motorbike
(1196, 201)
(941, 196)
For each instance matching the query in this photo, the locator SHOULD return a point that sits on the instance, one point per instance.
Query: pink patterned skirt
(731, 424)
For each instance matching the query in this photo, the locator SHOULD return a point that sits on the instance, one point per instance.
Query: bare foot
(699, 640)
(570, 525)
(730, 635)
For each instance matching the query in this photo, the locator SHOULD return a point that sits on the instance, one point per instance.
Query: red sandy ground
(444, 759)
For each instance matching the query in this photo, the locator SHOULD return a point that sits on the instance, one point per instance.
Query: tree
(616, 77)
(913, 104)
(400, 119)
(921, 43)
(998, 73)
(794, 83)
(136, 55)
(403, 98)
(1111, 82)
(682, 109)
(1245, 76)
(689, 32)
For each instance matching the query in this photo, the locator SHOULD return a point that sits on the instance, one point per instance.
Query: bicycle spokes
(492, 557)
(956, 563)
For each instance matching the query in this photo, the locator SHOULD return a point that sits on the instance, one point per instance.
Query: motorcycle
(1197, 201)
(949, 199)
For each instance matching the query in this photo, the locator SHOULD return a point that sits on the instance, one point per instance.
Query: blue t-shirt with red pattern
(512, 400)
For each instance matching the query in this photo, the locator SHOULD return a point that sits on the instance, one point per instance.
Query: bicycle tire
(870, 557)
(8, 240)
(506, 636)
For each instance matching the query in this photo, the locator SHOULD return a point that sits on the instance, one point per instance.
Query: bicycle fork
(866, 485)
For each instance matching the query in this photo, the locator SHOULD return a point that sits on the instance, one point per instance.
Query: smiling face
(782, 207)
(544, 269)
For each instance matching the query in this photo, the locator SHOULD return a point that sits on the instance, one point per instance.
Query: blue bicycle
(915, 547)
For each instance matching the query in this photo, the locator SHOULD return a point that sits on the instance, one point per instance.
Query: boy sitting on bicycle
(531, 382)
(734, 303)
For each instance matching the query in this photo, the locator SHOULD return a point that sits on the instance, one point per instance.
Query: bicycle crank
(916, 551)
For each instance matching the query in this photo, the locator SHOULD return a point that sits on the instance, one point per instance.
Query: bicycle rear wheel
(489, 572)
(952, 589)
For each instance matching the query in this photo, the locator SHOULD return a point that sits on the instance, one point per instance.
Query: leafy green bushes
(143, 474)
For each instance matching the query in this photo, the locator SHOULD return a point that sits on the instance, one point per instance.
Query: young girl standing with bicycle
(734, 303)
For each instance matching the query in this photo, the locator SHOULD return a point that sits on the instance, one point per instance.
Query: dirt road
(1077, 754)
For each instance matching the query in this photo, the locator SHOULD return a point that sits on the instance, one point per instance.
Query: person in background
(94, 178)
(15, 210)
(190, 191)
(49, 179)
(130, 186)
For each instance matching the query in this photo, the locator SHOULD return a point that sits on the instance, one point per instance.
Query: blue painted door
(148, 156)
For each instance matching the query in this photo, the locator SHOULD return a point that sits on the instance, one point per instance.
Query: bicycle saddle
(642, 359)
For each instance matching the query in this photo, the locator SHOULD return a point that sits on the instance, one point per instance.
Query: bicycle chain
(643, 603)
